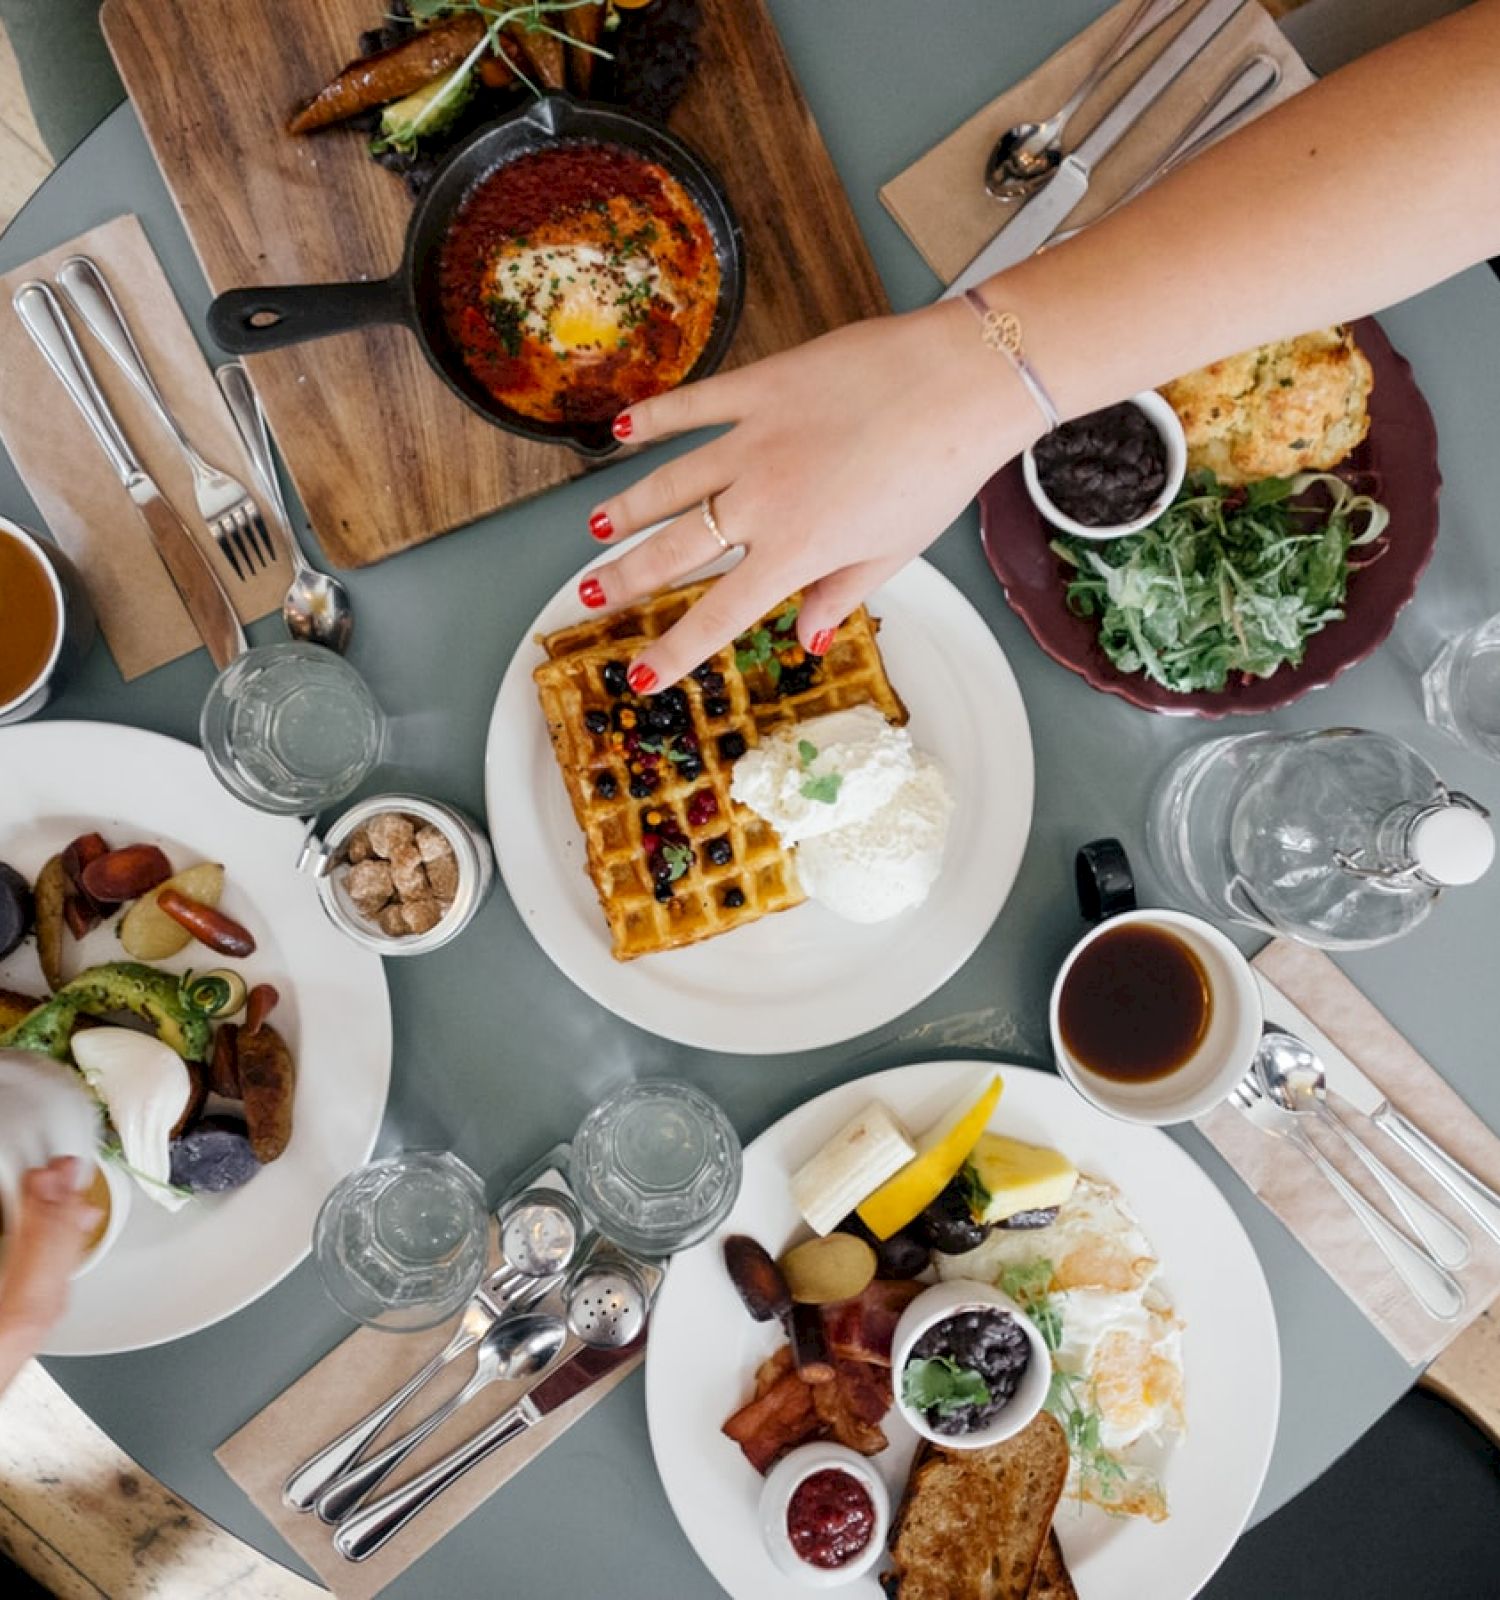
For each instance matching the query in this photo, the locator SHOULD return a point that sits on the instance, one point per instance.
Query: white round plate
(172, 1274)
(704, 1347)
(803, 978)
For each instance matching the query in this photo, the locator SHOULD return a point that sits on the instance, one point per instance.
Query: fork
(224, 503)
(1436, 1289)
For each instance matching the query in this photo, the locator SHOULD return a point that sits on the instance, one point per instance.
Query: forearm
(17, 1346)
(1371, 185)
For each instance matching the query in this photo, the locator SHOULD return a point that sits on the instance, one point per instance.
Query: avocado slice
(119, 986)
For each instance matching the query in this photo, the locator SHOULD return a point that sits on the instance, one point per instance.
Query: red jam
(830, 1518)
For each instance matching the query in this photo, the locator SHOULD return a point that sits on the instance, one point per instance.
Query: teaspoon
(317, 608)
(1024, 157)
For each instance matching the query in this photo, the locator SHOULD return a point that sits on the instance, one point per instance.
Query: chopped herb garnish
(942, 1385)
(807, 750)
(824, 789)
(678, 857)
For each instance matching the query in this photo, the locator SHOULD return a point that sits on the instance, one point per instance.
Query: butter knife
(207, 604)
(1063, 192)
(362, 1534)
(1350, 1084)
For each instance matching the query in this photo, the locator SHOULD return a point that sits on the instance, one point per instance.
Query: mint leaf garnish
(807, 750)
(824, 789)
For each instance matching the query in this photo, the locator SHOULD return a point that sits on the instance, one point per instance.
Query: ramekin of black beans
(1111, 472)
(970, 1367)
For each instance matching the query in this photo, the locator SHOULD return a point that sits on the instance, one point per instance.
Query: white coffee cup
(1221, 1058)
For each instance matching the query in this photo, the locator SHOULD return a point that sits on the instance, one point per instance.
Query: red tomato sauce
(577, 280)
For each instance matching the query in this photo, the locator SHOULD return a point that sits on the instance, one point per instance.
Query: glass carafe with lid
(1340, 837)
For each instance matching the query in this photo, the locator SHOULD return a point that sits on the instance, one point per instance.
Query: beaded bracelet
(1001, 331)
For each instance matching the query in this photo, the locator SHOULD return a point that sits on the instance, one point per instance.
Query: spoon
(1293, 1076)
(515, 1348)
(1024, 158)
(317, 608)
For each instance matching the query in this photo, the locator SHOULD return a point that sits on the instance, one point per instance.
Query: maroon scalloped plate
(1397, 463)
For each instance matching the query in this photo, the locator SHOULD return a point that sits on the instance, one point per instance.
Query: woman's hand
(45, 1246)
(846, 457)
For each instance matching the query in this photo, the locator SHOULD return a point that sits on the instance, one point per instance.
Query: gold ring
(711, 522)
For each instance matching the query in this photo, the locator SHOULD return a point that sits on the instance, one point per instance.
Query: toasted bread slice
(973, 1523)
(1052, 1581)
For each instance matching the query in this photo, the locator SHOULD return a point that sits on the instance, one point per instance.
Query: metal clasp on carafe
(1398, 876)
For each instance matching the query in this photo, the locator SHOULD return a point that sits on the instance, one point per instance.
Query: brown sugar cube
(358, 849)
(370, 885)
(442, 876)
(392, 921)
(408, 874)
(421, 915)
(433, 844)
(388, 832)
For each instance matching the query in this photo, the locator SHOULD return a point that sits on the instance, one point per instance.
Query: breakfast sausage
(268, 1083)
(391, 74)
(206, 924)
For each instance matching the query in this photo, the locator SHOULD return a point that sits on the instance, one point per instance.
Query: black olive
(1042, 1217)
(948, 1224)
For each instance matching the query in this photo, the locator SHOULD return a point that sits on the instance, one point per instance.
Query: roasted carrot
(542, 52)
(391, 74)
(583, 24)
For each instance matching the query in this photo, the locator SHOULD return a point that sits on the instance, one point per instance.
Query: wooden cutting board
(383, 455)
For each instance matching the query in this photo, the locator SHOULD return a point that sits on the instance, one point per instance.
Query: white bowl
(1164, 418)
(782, 1483)
(1225, 1054)
(951, 1299)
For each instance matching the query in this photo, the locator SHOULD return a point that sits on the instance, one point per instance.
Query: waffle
(627, 853)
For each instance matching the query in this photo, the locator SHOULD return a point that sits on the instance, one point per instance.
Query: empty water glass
(291, 728)
(401, 1243)
(1461, 689)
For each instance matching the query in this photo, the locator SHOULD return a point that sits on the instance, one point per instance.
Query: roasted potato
(149, 934)
(224, 1064)
(51, 891)
(197, 1094)
(823, 1271)
(14, 1006)
(268, 1082)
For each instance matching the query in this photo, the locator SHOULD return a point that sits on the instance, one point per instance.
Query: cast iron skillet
(248, 321)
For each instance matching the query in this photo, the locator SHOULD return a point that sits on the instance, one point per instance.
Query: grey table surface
(497, 1055)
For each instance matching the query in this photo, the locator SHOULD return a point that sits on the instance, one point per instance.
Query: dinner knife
(1063, 192)
(362, 1534)
(201, 592)
(1350, 1083)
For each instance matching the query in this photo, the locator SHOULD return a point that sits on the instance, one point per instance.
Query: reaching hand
(45, 1246)
(846, 457)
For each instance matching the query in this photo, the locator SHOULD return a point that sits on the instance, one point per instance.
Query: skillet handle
(248, 321)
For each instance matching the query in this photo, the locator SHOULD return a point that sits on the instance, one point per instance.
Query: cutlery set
(317, 607)
(1029, 171)
(1285, 1095)
(601, 1298)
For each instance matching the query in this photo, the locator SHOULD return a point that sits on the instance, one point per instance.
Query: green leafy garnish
(942, 1385)
(1227, 581)
(823, 789)
(755, 649)
(507, 318)
(977, 1195)
(679, 857)
(808, 751)
(1099, 1471)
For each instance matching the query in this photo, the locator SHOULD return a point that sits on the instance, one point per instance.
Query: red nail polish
(822, 640)
(622, 426)
(591, 592)
(641, 678)
(600, 525)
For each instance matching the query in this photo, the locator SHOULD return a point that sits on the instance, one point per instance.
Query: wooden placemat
(85, 506)
(383, 454)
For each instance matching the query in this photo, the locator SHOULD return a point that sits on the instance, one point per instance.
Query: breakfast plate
(174, 1273)
(704, 1349)
(1397, 463)
(804, 978)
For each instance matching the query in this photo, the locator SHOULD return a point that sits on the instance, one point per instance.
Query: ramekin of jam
(824, 1511)
(969, 1367)
(1109, 473)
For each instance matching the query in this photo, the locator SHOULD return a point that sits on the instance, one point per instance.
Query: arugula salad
(1228, 581)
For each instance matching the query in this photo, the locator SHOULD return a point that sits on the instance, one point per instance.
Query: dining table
(497, 1056)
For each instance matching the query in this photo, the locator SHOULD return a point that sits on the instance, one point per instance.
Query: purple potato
(215, 1157)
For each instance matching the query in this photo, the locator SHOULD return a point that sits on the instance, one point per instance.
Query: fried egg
(1116, 1337)
(574, 298)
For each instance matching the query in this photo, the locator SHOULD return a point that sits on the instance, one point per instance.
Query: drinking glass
(1461, 689)
(657, 1165)
(401, 1243)
(291, 728)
